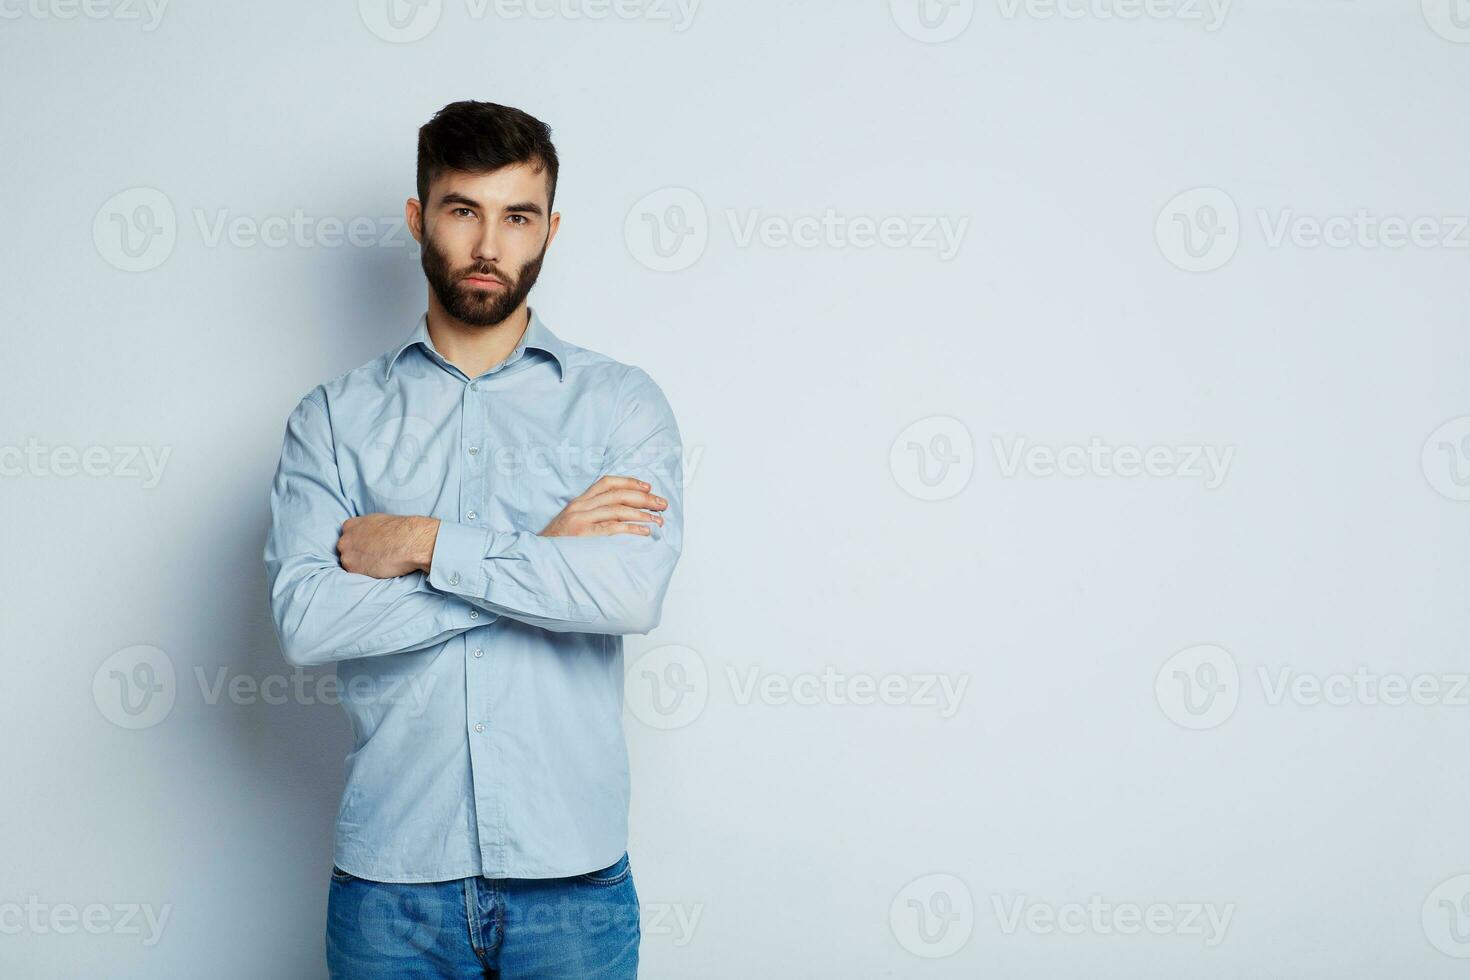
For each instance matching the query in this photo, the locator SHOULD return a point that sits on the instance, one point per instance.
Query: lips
(484, 282)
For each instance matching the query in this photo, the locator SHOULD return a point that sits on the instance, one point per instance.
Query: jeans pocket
(611, 875)
(340, 876)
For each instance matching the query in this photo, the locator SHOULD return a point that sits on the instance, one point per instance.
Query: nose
(487, 247)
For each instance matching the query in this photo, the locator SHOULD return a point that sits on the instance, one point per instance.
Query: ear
(413, 216)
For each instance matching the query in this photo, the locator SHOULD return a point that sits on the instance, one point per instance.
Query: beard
(470, 304)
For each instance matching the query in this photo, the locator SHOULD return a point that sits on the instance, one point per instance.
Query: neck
(472, 348)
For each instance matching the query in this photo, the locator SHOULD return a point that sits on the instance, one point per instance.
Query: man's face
(484, 236)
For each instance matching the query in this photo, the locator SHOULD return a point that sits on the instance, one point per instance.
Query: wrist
(426, 533)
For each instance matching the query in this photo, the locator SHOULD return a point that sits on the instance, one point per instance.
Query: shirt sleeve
(606, 584)
(322, 612)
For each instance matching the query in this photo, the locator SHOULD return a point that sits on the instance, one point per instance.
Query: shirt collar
(537, 335)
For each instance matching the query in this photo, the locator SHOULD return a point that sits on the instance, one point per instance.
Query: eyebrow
(522, 207)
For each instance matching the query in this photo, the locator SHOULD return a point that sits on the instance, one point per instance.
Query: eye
(468, 211)
(519, 219)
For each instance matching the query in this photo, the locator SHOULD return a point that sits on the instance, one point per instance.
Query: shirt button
(454, 578)
(474, 386)
(474, 614)
(474, 450)
(479, 654)
(471, 515)
(479, 728)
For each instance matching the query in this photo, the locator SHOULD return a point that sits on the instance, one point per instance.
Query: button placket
(471, 484)
(472, 432)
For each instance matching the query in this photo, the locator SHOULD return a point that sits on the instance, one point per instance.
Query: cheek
(523, 249)
(453, 241)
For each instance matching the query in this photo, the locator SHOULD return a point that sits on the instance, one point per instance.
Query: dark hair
(478, 137)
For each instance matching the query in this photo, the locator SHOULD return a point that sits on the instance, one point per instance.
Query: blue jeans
(583, 926)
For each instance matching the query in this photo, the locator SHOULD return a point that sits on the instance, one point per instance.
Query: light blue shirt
(486, 697)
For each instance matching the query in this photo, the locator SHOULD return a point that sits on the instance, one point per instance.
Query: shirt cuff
(458, 551)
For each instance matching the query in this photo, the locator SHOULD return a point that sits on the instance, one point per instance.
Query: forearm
(323, 613)
(569, 578)
(604, 584)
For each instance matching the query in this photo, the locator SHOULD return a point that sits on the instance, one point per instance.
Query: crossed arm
(343, 585)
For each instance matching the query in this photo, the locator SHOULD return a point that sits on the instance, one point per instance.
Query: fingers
(615, 512)
(627, 498)
(616, 527)
(607, 483)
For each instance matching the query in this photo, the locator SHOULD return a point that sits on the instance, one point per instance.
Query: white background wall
(1082, 759)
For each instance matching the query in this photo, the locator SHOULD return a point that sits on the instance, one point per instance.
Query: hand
(608, 507)
(386, 545)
